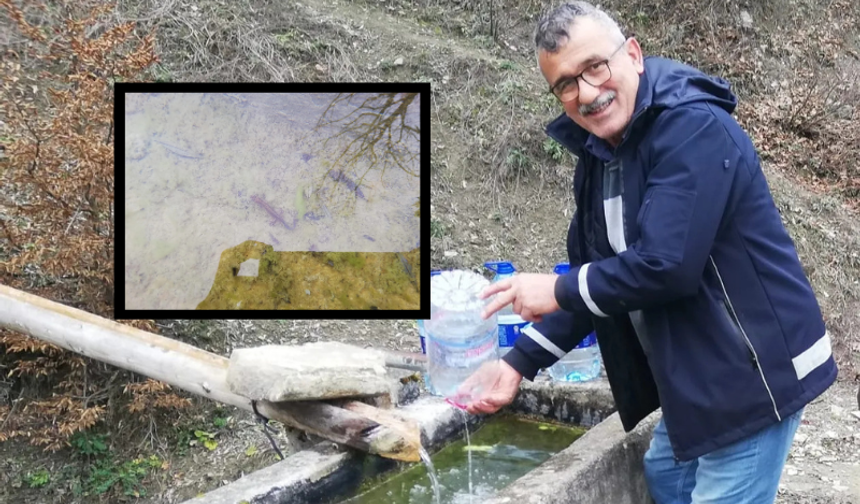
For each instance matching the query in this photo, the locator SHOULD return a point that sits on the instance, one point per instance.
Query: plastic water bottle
(422, 335)
(510, 324)
(459, 341)
(583, 362)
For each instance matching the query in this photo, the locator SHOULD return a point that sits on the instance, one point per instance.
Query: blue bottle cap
(500, 267)
(561, 268)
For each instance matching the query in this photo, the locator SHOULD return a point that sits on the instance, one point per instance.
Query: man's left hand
(532, 295)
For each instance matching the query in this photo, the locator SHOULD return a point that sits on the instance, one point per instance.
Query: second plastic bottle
(583, 362)
(510, 324)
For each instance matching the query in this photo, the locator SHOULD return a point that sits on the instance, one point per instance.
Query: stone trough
(603, 466)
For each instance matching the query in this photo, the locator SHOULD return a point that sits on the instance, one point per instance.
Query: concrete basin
(603, 466)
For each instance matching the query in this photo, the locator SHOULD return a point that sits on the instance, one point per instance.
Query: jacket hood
(664, 84)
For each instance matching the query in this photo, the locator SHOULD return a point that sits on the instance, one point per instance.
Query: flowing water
(500, 451)
(468, 450)
(425, 457)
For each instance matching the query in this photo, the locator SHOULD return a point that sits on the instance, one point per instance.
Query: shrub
(56, 238)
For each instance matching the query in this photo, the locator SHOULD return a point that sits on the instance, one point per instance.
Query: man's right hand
(492, 386)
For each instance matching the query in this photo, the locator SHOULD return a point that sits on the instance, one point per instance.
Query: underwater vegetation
(339, 176)
(274, 213)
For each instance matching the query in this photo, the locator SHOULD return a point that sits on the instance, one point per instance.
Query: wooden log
(186, 367)
(367, 429)
(408, 427)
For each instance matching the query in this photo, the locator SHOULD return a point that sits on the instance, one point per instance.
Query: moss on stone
(335, 280)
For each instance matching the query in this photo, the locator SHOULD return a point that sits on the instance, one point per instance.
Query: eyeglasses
(596, 74)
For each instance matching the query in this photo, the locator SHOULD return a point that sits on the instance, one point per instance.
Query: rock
(251, 267)
(746, 20)
(398, 62)
(320, 370)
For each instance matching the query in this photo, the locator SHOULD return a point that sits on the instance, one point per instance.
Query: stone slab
(305, 477)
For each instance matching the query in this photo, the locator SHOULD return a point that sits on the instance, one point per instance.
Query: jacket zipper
(746, 338)
(630, 125)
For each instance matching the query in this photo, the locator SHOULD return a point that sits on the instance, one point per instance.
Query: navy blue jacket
(680, 262)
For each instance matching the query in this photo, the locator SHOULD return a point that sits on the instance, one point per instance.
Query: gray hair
(553, 30)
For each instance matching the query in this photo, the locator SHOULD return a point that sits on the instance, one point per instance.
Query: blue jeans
(746, 472)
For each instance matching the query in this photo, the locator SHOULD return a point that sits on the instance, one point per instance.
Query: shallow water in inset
(206, 172)
(503, 449)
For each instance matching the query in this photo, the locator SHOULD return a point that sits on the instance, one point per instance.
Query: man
(679, 262)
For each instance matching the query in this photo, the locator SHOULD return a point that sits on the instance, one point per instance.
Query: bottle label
(589, 340)
(510, 331)
(421, 334)
(460, 356)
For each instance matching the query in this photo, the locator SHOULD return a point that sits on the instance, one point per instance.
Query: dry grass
(212, 41)
(498, 191)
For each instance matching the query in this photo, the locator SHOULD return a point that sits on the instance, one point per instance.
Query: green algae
(311, 280)
(503, 449)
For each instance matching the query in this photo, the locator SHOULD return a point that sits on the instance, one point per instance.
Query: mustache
(597, 103)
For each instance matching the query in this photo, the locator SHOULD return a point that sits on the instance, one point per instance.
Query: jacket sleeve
(542, 344)
(693, 163)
